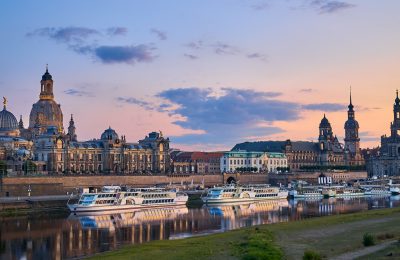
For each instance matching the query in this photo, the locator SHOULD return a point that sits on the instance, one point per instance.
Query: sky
(208, 74)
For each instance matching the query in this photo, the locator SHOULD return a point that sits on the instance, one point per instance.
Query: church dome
(8, 122)
(109, 134)
(351, 124)
(46, 113)
(324, 123)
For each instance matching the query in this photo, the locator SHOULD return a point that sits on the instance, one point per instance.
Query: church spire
(397, 100)
(351, 103)
(21, 123)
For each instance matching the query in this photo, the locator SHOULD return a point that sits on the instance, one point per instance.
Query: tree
(29, 167)
(3, 167)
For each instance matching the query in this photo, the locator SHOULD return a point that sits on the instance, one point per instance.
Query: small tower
(21, 123)
(325, 134)
(46, 86)
(395, 126)
(72, 129)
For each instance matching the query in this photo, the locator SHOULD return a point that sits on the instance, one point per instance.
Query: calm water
(63, 236)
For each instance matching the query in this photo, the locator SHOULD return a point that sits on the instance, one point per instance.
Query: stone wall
(57, 185)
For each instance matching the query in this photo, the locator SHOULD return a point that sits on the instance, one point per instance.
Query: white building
(245, 161)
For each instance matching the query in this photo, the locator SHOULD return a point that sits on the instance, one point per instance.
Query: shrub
(368, 239)
(311, 255)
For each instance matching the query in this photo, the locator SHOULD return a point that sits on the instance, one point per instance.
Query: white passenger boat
(233, 193)
(395, 190)
(113, 198)
(306, 192)
(377, 191)
(349, 192)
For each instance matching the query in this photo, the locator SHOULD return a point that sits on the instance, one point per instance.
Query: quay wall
(58, 185)
(312, 177)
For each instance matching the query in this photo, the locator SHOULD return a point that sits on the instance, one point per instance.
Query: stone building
(53, 151)
(15, 151)
(331, 152)
(241, 160)
(387, 161)
(196, 162)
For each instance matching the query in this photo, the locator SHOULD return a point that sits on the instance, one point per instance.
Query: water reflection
(67, 236)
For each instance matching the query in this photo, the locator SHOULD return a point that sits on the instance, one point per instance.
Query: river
(60, 235)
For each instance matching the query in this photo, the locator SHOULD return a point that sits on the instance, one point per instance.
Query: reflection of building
(196, 162)
(55, 151)
(328, 151)
(387, 162)
(252, 161)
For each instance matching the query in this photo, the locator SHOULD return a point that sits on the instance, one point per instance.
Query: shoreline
(329, 236)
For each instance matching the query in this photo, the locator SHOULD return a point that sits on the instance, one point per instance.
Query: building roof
(261, 146)
(276, 146)
(7, 120)
(47, 75)
(205, 156)
(325, 123)
(304, 146)
(109, 134)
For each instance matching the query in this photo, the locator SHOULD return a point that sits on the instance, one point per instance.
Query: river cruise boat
(377, 191)
(114, 198)
(349, 192)
(306, 192)
(234, 193)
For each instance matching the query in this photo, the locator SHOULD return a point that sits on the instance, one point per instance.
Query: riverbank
(18, 206)
(329, 237)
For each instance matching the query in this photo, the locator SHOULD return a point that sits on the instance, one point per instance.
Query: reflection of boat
(125, 218)
(395, 198)
(306, 192)
(232, 210)
(113, 198)
(233, 193)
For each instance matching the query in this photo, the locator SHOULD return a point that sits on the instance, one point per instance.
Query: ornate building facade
(328, 151)
(387, 161)
(46, 145)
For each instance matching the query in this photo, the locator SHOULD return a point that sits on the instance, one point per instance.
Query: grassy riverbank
(329, 236)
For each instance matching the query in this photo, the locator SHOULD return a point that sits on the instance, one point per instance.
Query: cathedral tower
(352, 140)
(395, 126)
(46, 112)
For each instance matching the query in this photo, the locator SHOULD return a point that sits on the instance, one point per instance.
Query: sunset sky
(208, 74)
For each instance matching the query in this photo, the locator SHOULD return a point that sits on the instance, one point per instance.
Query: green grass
(327, 236)
(249, 243)
(390, 252)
